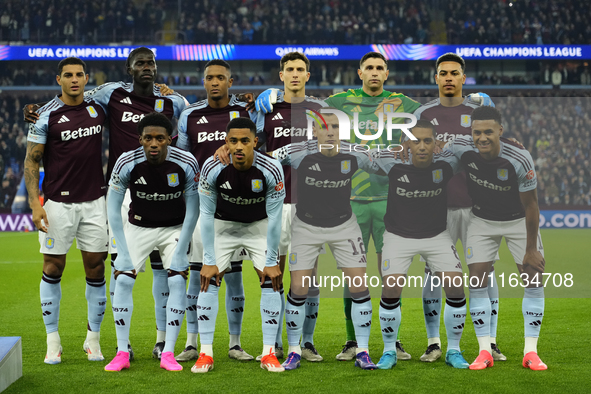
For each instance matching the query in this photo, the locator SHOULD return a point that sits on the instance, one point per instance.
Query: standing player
(241, 206)
(286, 124)
(369, 191)
(68, 138)
(416, 224)
(502, 184)
(127, 104)
(202, 131)
(158, 176)
(450, 113)
(324, 215)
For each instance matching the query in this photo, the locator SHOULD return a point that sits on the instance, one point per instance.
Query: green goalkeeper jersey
(371, 187)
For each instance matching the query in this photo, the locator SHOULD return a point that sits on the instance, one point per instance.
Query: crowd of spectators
(309, 22)
(287, 22)
(85, 22)
(556, 130)
(518, 22)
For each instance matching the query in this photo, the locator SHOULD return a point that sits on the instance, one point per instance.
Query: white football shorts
(85, 221)
(484, 239)
(440, 252)
(345, 242)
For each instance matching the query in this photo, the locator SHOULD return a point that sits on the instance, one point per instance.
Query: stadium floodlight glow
(346, 124)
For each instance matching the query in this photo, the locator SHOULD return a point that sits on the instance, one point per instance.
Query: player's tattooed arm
(533, 259)
(32, 160)
(30, 114)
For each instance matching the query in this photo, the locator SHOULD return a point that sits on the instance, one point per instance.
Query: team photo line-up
(199, 201)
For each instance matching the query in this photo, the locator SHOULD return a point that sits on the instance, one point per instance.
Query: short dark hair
(487, 113)
(154, 119)
(70, 60)
(370, 55)
(425, 124)
(135, 52)
(218, 62)
(451, 57)
(242, 123)
(294, 56)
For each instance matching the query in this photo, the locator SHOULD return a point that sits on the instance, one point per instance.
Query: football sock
(159, 291)
(348, 321)
(493, 294)
(454, 317)
(295, 310)
(361, 313)
(390, 316)
(432, 308)
(480, 313)
(234, 299)
(533, 313)
(279, 337)
(207, 349)
(112, 278)
(207, 312)
(96, 298)
(191, 306)
(312, 305)
(270, 307)
(50, 291)
(123, 308)
(175, 309)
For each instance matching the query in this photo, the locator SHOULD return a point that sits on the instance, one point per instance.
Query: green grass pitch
(563, 344)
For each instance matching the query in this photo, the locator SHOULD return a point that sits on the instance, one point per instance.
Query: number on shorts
(361, 246)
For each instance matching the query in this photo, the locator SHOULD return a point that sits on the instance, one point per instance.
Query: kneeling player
(241, 206)
(323, 215)
(416, 224)
(502, 184)
(159, 217)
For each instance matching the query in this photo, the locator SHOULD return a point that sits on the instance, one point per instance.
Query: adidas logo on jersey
(404, 179)
(141, 181)
(126, 100)
(434, 122)
(356, 109)
(202, 120)
(277, 117)
(63, 119)
(472, 165)
(315, 167)
(226, 185)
